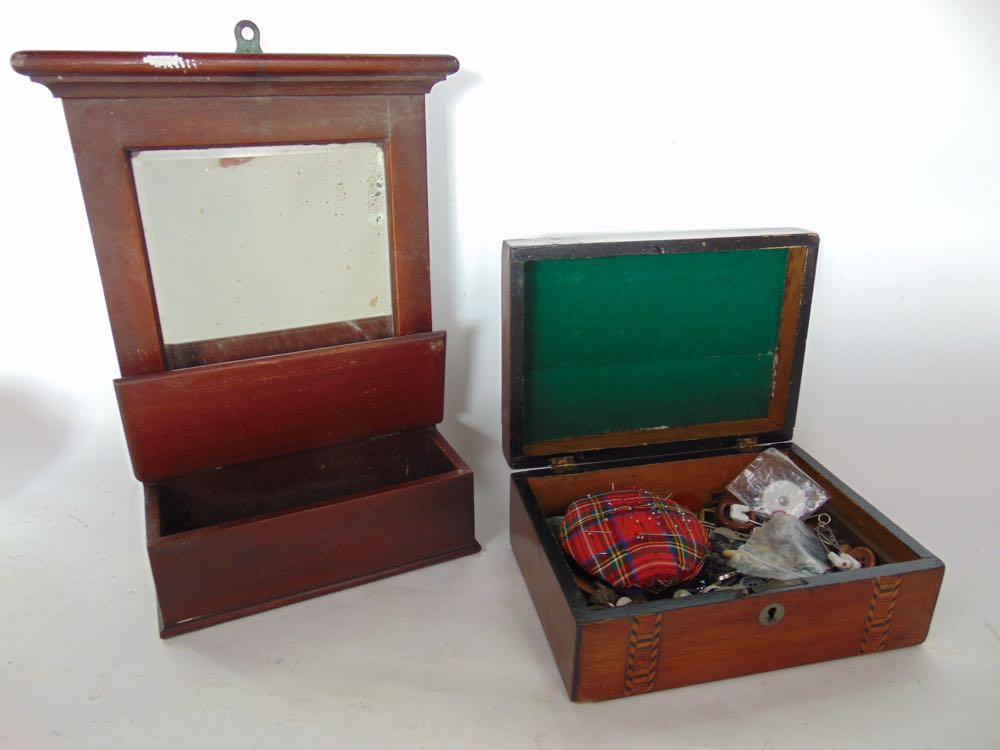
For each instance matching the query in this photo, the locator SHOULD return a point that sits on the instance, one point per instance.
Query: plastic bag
(783, 548)
(772, 482)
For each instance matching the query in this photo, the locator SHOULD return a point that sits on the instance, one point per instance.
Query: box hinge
(746, 442)
(562, 462)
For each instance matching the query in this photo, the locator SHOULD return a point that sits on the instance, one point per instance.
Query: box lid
(647, 345)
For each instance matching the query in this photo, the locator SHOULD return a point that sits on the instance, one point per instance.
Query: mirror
(245, 241)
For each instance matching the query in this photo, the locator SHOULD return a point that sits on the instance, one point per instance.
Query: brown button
(723, 517)
(863, 555)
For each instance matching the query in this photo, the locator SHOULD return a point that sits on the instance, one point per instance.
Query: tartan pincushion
(634, 539)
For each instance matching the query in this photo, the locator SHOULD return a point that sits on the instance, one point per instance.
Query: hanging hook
(247, 44)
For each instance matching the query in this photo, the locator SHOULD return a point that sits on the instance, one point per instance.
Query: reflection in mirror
(244, 241)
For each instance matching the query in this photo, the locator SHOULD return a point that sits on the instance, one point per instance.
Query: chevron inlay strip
(643, 654)
(881, 607)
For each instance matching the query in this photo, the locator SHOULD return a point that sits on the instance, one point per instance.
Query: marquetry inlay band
(881, 607)
(643, 654)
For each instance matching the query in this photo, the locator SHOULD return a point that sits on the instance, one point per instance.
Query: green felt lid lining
(650, 342)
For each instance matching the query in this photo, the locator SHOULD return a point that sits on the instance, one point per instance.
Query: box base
(243, 539)
(605, 653)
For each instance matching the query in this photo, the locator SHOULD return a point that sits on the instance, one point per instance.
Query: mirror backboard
(249, 240)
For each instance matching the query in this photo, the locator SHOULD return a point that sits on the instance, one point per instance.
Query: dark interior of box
(638, 342)
(242, 491)
(701, 478)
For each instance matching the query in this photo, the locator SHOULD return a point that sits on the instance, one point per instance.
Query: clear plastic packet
(772, 482)
(783, 548)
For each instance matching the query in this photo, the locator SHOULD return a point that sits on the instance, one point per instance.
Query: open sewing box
(669, 363)
(260, 223)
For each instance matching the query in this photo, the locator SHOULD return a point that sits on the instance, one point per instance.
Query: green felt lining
(632, 342)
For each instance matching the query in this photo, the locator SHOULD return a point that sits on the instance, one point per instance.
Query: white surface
(876, 125)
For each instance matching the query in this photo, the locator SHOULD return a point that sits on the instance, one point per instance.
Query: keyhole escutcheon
(771, 614)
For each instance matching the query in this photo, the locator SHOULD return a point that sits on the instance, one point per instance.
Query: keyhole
(771, 614)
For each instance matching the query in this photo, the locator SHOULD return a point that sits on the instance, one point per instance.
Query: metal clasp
(562, 462)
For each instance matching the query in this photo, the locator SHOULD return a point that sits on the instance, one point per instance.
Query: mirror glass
(247, 240)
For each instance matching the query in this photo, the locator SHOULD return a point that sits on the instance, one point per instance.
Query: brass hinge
(746, 442)
(562, 462)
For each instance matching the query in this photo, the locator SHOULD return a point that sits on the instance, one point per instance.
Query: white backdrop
(875, 125)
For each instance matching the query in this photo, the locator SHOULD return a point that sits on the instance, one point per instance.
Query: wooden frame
(104, 138)
(119, 103)
(286, 464)
(233, 348)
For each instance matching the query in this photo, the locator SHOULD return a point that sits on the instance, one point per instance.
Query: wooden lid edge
(97, 74)
(157, 64)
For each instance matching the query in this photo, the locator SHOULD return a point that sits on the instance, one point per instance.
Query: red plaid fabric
(634, 539)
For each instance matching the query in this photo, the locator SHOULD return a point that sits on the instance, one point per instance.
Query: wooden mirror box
(669, 363)
(260, 223)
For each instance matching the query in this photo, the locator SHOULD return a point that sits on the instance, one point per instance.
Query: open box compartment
(284, 457)
(225, 543)
(664, 643)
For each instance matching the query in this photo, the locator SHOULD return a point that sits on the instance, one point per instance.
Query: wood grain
(534, 559)
(408, 230)
(794, 315)
(672, 642)
(104, 136)
(725, 639)
(235, 348)
(585, 443)
(718, 640)
(183, 420)
(698, 476)
(234, 493)
(169, 74)
(211, 574)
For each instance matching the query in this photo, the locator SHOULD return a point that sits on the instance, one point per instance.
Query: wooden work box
(669, 363)
(260, 223)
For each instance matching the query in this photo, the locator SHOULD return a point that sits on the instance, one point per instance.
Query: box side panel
(714, 641)
(546, 592)
(900, 610)
(228, 571)
(604, 653)
(185, 420)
